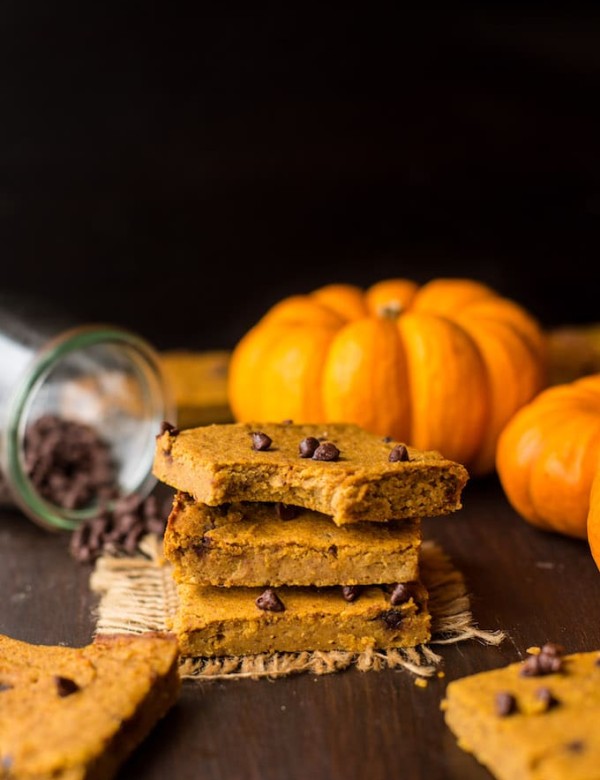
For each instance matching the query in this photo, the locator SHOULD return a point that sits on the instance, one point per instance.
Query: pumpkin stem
(390, 310)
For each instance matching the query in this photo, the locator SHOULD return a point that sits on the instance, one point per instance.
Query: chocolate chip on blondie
(270, 601)
(260, 441)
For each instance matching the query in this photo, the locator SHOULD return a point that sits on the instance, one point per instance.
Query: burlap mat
(137, 594)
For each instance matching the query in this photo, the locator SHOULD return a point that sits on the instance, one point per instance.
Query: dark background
(178, 172)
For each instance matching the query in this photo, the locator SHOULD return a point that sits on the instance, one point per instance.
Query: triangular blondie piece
(77, 713)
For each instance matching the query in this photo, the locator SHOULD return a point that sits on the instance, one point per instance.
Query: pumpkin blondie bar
(338, 469)
(257, 543)
(78, 713)
(246, 621)
(532, 720)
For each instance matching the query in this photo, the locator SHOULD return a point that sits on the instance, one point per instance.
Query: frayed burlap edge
(137, 594)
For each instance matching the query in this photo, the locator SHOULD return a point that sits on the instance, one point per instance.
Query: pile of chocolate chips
(71, 466)
(68, 463)
(119, 530)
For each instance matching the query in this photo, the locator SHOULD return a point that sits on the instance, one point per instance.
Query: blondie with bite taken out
(338, 469)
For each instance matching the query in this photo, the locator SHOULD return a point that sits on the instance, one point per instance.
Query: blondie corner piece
(353, 477)
(528, 722)
(255, 543)
(73, 713)
(229, 621)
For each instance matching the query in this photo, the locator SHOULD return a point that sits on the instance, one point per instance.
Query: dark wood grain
(534, 585)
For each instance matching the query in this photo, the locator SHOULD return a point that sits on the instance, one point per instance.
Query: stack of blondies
(289, 537)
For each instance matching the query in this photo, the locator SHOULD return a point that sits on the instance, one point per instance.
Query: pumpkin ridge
(447, 385)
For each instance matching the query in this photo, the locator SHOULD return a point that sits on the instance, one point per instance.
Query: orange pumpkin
(440, 366)
(593, 520)
(548, 455)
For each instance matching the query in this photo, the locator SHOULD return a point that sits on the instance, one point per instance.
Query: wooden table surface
(345, 726)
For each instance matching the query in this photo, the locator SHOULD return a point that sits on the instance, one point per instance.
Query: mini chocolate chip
(549, 663)
(5, 687)
(551, 648)
(80, 535)
(392, 618)
(398, 453)
(545, 697)
(260, 441)
(114, 535)
(150, 507)
(167, 427)
(505, 704)
(128, 504)
(127, 520)
(351, 592)
(287, 422)
(98, 527)
(133, 536)
(402, 592)
(156, 525)
(307, 447)
(326, 451)
(65, 686)
(84, 554)
(333, 550)
(537, 665)
(387, 439)
(270, 601)
(530, 667)
(286, 511)
(576, 746)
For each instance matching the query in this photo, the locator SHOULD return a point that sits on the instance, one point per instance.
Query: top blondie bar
(353, 476)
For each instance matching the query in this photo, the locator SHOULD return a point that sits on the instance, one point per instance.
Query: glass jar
(99, 375)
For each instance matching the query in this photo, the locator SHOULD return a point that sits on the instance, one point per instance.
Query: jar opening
(102, 378)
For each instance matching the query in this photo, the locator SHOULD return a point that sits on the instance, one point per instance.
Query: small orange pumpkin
(548, 455)
(441, 366)
(593, 520)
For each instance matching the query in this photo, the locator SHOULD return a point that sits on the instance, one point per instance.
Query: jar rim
(149, 371)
